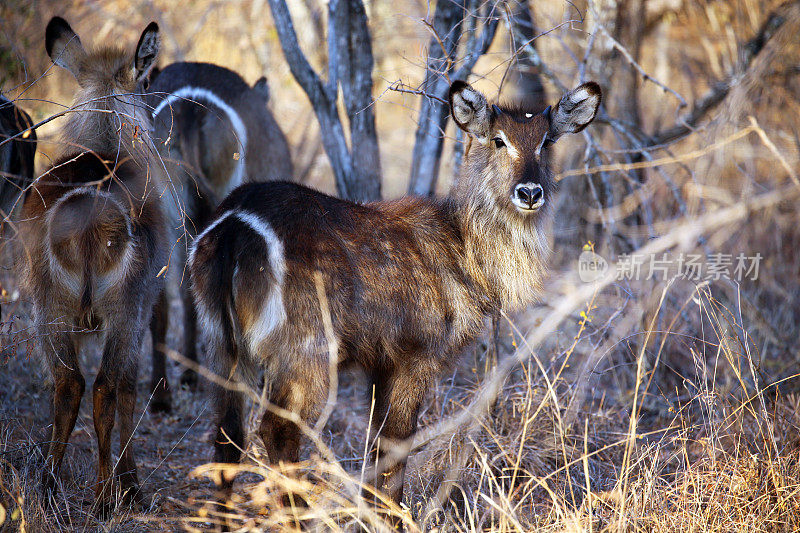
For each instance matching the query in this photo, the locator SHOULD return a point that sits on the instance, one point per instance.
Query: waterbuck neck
(108, 124)
(505, 251)
(107, 115)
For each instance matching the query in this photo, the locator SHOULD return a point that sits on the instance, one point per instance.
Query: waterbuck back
(214, 132)
(409, 282)
(93, 239)
(218, 127)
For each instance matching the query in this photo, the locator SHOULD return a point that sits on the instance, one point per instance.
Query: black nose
(530, 194)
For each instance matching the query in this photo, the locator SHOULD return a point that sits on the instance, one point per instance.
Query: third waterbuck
(409, 281)
(17, 151)
(93, 239)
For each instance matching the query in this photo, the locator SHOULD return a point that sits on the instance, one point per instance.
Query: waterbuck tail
(89, 241)
(238, 268)
(211, 269)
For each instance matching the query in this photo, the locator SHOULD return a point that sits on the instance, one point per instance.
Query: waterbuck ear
(262, 87)
(470, 110)
(575, 110)
(63, 45)
(146, 51)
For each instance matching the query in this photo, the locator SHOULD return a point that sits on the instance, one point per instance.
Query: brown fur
(93, 238)
(409, 281)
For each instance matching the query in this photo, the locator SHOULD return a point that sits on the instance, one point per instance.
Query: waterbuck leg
(161, 401)
(198, 212)
(229, 440)
(189, 376)
(67, 394)
(398, 395)
(104, 392)
(281, 436)
(495, 357)
(125, 470)
(299, 392)
(119, 356)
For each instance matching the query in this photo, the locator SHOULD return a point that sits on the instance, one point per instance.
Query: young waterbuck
(214, 132)
(409, 281)
(93, 239)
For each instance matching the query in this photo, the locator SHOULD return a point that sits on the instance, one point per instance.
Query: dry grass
(650, 405)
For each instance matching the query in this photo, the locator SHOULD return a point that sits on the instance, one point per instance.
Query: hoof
(189, 379)
(130, 498)
(103, 509)
(133, 496)
(49, 486)
(294, 500)
(130, 494)
(161, 402)
(225, 523)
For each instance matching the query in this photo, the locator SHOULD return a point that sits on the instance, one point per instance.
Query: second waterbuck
(93, 238)
(409, 282)
(214, 132)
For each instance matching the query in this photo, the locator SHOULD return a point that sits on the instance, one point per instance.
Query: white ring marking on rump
(240, 130)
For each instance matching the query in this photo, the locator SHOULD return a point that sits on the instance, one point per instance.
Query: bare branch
(635, 64)
(401, 87)
(477, 46)
(524, 77)
(447, 21)
(353, 50)
(301, 69)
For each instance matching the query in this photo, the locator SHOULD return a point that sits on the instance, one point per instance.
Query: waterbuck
(93, 239)
(17, 151)
(214, 132)
(409, 281)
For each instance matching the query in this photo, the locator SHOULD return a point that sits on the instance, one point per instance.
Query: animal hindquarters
(237, 269)
(90, 266)
(88, 247)
(211, 275)
(197, 185)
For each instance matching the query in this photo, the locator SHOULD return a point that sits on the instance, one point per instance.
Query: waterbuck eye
(547, 143)
(498, 142)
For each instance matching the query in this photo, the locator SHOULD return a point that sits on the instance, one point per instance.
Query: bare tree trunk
(354, 71)
(624, 23)
(525, 76)
(447, 22)
(442, 68)
(349, 63)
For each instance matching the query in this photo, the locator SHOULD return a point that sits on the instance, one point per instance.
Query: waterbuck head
(112, 68)
(108, 77)
(507, 167)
